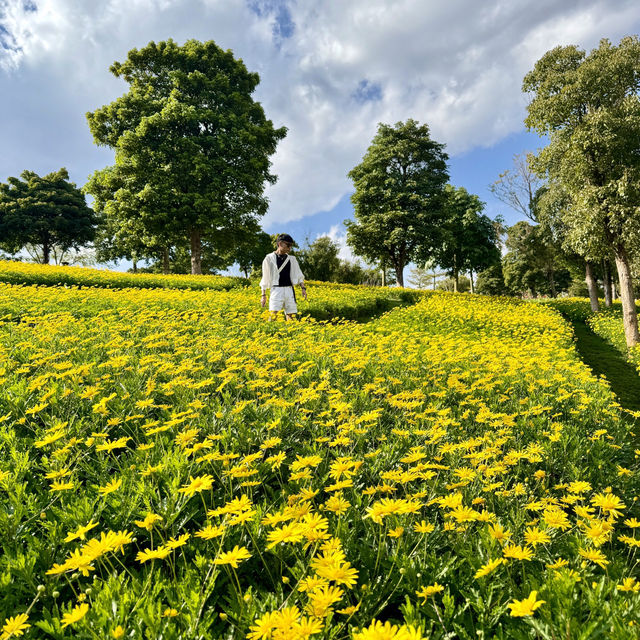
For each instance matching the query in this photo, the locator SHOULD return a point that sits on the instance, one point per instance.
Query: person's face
(284, 247)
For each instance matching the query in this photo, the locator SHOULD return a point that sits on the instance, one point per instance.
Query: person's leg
(276, 302)
(289, 301)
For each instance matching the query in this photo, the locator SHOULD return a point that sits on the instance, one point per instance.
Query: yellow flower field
(174, 466)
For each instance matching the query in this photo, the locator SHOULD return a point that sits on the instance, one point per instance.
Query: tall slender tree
(399, 191)
(589, 107)
(469, 239)
(192, 145)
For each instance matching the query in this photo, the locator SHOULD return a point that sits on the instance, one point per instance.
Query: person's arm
(264, 282)
(299, 277)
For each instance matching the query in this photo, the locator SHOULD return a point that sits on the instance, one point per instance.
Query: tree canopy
(533, 263)
(44, 211)
(192, 146)
(319, 260)
(469, 239)
(399, 188)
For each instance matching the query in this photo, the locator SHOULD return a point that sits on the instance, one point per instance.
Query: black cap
(284, 237)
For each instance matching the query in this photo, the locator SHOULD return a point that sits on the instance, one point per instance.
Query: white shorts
(282, 298)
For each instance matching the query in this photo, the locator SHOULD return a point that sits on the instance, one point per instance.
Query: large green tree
(250, 249)
(490, 282)
(533, 263)
(319, 260)
(399, 187)
(469, 239)
(47, 212)
(588, 106)
(192, 146)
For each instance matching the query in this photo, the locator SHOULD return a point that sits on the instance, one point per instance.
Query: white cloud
(338, 234)
(456, 65)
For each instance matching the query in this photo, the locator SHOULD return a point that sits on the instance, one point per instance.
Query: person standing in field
(280, 273)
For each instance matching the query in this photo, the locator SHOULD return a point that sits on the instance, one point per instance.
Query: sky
(330, 72)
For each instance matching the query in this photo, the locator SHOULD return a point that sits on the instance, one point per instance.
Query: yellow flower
(261, 629)
(80, 532)
(201, 483)
(110, 487)
(312, 582)
(423, 527)
(174, 543)
(76, 614)
(233, 557)
(337, 504)
(489, 567)
(292, 532)
(148, 522)
(595, 556)
(425, 592)
(169, 613)
(526, 607)
(153, 554)
(497, 532)
(322, 599)
(598, 532)
(59, 485)
(118, 632)
(342, 573)
(14, 626)
(518, 552)
(209, 532)
(558, 564)
(534, 536)
(609, 503)
(377, 631)
(556, 518)
(629, 584)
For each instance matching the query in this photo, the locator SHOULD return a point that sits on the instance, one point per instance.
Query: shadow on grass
(604, 359)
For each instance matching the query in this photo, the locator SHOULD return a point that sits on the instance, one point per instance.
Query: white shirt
(270, 275)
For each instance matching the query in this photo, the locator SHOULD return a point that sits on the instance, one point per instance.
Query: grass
(604, 359)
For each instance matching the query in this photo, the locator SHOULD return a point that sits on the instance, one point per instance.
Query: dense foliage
(47, 212)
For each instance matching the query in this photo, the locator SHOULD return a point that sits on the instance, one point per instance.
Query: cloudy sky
(330, 72)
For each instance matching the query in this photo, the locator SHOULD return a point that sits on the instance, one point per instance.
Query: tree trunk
(165, 261)
(471, 280)
(134, 262)
(196, 252)
(455, 273)
(608, 298)
(591, 286)
(629, 312)
(399, 269)
(46, 252)
(552, 282)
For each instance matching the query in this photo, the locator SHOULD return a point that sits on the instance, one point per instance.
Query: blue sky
(330, 71)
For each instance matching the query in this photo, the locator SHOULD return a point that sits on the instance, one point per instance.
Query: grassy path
(606, 360)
